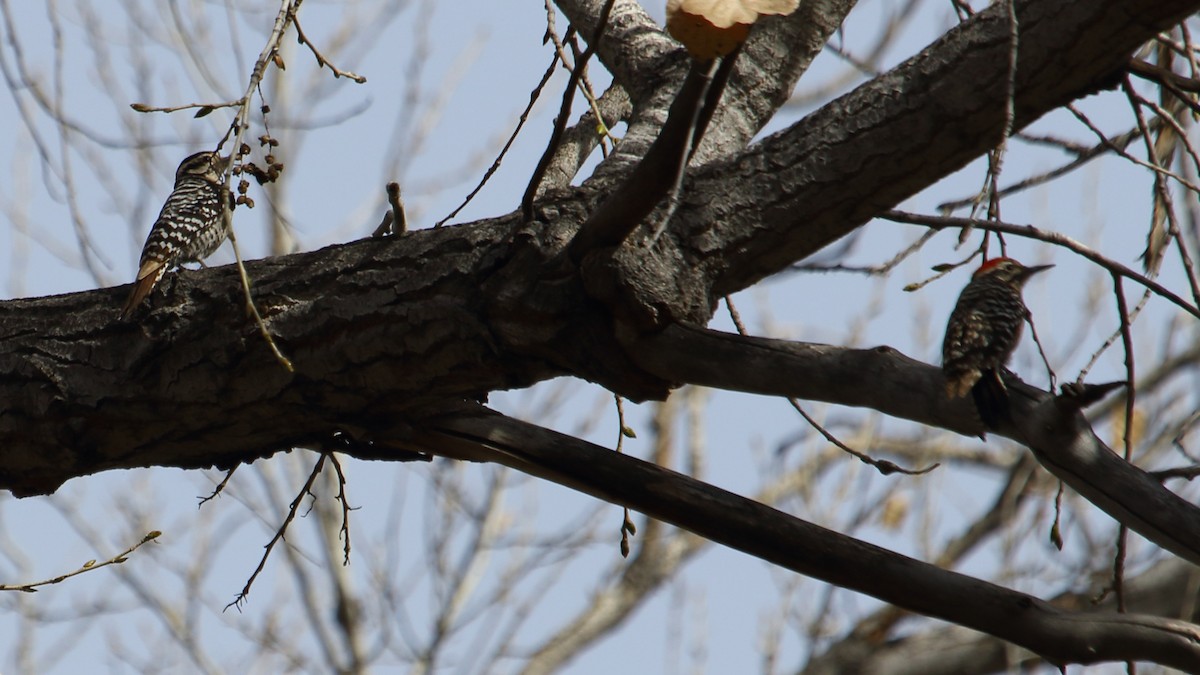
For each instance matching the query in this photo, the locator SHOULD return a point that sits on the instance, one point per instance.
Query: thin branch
(344, 532)
(524, 117)
(253, 308)
(1112, 339)
(586, 89)
(203, 108)
(220, 486)
(1163, 76)
(1041, 351)
(1020, 483)
(1120, 151)
(627, 526)
(1186, 472)
(883, 466)
(1083, 156)
(238, 128)
(1130, 397)
(291, 515)
(88, 566)
(1164, 207)
(560, 122)
(1031, 232)
(321, 60)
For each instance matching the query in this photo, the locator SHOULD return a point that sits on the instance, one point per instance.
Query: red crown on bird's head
(993, 263)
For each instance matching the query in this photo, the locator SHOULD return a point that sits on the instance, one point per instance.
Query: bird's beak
(1030, 271)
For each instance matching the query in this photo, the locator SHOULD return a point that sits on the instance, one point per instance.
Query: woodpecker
(192, 224)
(984, 329)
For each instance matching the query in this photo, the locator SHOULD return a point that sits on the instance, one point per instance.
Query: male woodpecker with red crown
(984, 329)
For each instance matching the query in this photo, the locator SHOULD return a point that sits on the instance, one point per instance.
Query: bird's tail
(959, 383)
(991, 399)
(149, 275)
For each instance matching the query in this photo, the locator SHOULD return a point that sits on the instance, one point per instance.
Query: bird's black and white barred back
(193, 223)
(984, 330)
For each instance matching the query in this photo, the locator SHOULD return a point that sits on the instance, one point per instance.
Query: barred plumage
(191, 226)
(984, 329)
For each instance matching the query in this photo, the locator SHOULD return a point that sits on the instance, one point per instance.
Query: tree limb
(887, 381)
(1167, 589)
(870, 149)
(476, 434)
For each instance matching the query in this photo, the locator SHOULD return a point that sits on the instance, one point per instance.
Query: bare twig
(203, 108)
(253, 308)
(1186, 472)
(1112, 339)
(220, 486)
(623, 431)
(942, 270)
(344, 532)
(560, 122)
(86, 567)
(321, 60)
(1056, 537)
(533, 97)
(1031, 232)
(589, 93)
(1041, 351)
(1164, 207)
(1130, 380)
(291, 515)
(869, 270)
(1130, 396)
(884, 466)
(702, 116)
(1121, 151)
(1083, 156)
(238, 128)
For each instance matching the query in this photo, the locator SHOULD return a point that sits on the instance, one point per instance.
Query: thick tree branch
(380, 324)
(649, 182)
(381, 327)
(476, 434)
(779, 50)
(872, 148)
(581, 139)
(887, 381)
(634, 48)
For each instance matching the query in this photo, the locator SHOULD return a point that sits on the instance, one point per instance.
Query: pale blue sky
(492, 53)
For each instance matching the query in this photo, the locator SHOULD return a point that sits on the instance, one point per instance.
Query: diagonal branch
(887, 381)
(1163, 590)
(477, 434)
(872, 148)
(616, 217)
